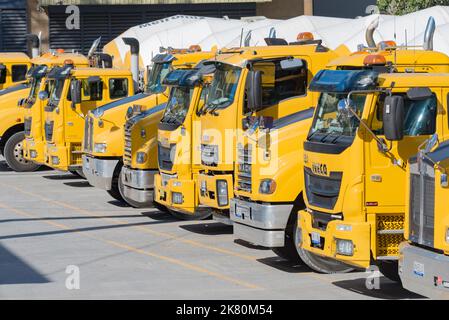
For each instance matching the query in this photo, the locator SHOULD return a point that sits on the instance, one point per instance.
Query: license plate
(240, 212)
(316, 238)
(418, 269)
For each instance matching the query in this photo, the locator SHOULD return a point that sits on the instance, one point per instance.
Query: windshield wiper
(217, 103)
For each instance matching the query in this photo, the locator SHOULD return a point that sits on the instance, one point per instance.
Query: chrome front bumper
(99, 172)
(138, 185)
(260, 224)
(423, 271)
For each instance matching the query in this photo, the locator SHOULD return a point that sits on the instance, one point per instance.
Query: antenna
(241, 38)
(248, 38)
(272, 33)
(94, 47)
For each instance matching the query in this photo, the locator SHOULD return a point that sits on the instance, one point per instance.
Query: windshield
(330, 120)
(35, 85)
(155, 77)
(222, 90)
(178, 105)
(55, 87)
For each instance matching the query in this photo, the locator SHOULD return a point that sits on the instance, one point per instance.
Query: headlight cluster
(100, 147)
(267, 186)
(222, 193)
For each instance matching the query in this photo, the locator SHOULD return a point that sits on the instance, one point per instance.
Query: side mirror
(343, 107)
(266, 123)
(432, 142)
(21, 102)
(254, 90)
(393, 117)
(75, 92)
(43, 95)
(289, 64)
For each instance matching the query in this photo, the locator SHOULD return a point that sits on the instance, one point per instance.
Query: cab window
(118, 88)
(3, 72)
(420, 116)
(92, 91)
(280, 82)
(18, 72)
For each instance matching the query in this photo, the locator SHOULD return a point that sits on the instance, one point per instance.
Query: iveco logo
(319, 168)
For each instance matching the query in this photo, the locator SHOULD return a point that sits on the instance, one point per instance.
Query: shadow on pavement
(14, 270)
(4, 167)
(63, 176)
(210, 229)
(62, 232)
(387, 290)
(78, 184)
(119, 204)
(284, 265)
(250, 245)
(69, 218)
(159, 216)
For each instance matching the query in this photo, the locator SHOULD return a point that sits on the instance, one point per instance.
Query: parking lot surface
(60, 238)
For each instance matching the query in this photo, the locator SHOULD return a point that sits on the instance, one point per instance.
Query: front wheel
(13, 154)
(390, 270)
(288, 251)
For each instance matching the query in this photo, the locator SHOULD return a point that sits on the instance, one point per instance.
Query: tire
(390, 270)
(198, 215)
(13, 154)
(115, 191)
(288, 251)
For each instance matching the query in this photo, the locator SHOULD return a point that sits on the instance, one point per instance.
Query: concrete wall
(38, 22)
(281, 9)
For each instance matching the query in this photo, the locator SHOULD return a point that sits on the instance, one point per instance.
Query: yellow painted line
(117, 244)
(141, 228)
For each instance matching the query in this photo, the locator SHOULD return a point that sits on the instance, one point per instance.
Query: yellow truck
(175, 185)
(33, 107)
(140, 162)
(267, 215)
(75, 92)
(108, 142)
(13, 69)
(355, 163)
(263, 87)
(424, 256)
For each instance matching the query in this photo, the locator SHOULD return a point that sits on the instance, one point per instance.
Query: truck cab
(13, 69)
(235, 109)
(33, 106)
(179, 161)
(424, 255)
(140, 162)
(355, 165)
(74, 93)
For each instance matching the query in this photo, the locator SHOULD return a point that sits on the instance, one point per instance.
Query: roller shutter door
(111, 20)
(13, 30)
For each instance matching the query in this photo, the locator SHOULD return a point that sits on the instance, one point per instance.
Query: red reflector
(372, 204)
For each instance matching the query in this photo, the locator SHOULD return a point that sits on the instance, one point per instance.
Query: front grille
(390, 233)
(209, 155)
(27, 125)
(76, 154)
(166, 156)
(322, 191)
(422, 203)
(244, 168)
(88, 134)
(127, 152)
(49, 130)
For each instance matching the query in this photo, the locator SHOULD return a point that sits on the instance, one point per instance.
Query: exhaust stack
(428, 34)
(133, 43)
(34, 44)
(369, 35)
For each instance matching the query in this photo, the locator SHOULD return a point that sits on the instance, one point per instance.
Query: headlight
(222, 193)
(141, 157)
(447, 235)
(100, 147)
(267, 186)
(345, 247)
(177, 198)
(55, 160)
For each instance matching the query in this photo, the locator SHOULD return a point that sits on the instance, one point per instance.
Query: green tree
(400, 7)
